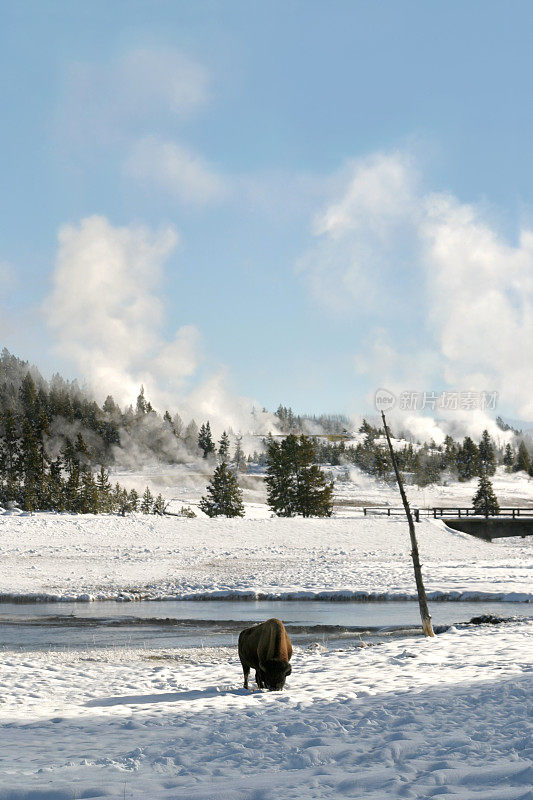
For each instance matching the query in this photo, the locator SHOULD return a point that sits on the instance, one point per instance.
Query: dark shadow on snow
(164, 697)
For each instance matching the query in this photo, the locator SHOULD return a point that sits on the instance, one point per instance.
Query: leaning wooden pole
(427, 627)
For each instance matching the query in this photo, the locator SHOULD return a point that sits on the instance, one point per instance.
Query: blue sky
(325, 190)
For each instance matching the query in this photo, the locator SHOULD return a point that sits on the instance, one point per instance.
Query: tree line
(428, 463)
(58, 410)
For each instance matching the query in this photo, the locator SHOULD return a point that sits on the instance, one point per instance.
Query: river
(213, 623)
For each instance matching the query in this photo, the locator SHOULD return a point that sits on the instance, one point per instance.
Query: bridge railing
(505, 511)
(440, 512)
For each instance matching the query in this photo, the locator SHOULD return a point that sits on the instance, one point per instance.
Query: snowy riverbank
(68, 557)
(408, 719)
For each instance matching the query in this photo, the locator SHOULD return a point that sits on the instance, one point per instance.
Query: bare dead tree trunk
(427, 627)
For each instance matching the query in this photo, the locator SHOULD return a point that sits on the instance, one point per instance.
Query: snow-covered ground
(413, 719)
(68, 556)
(410, 718)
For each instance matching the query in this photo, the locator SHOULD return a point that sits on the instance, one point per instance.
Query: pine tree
(42, 432)
(72, 490)
(484, 500)
(205, 440)
(282, 458)
(369, 430)
(224, 497)
(294, 484)
(523, 462)
(487, 459)
(223, 447)
(168, 420)
(56, 487)
(31, 467)
(380, 462)
(89, 500)
(133, 499)
(314, 494)
(82, 451)
(467, 460)
(68, 456)
(141, 405)
(426, 470)
(110, 407)
(190, 437)
(28, 398)
(159, 505)
(147, 502)
(239, 459)
(508, 458)
(121, 500)
(177, 424)
(8, 459)
(30, 497)
(104, 490)
(450, 453)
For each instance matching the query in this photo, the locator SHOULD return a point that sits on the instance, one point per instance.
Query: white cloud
(105, 311)
(175, 169)
(480, 301)
(385, 247)
(356, 235)
(380, 192)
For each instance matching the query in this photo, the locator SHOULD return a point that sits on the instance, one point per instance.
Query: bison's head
(274, 673)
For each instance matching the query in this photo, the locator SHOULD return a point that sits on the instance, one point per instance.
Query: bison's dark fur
(267, 648)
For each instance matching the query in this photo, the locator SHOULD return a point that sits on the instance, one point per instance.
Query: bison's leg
(259, 679)
(246, 671)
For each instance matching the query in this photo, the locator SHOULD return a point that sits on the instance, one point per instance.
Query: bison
(267, 648)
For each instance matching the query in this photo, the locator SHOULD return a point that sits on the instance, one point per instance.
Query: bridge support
(493, 527)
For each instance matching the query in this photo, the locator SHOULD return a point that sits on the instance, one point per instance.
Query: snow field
(413, 719)
(185, 484)
(63, 556)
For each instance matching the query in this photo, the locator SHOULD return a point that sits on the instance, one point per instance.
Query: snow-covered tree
(133, 499)
(487, 459)
(523, 461)
(508, 457)
(224, 497)
(141, 405)
(467, 460)
(484, 500)
(205, 439)
(147, 502)
(190, 437)
(239, 459)
(223, 447)
(177, 424)
(104, 490)
(159, 505)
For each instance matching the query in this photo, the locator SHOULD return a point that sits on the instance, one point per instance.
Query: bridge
(510, 521)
